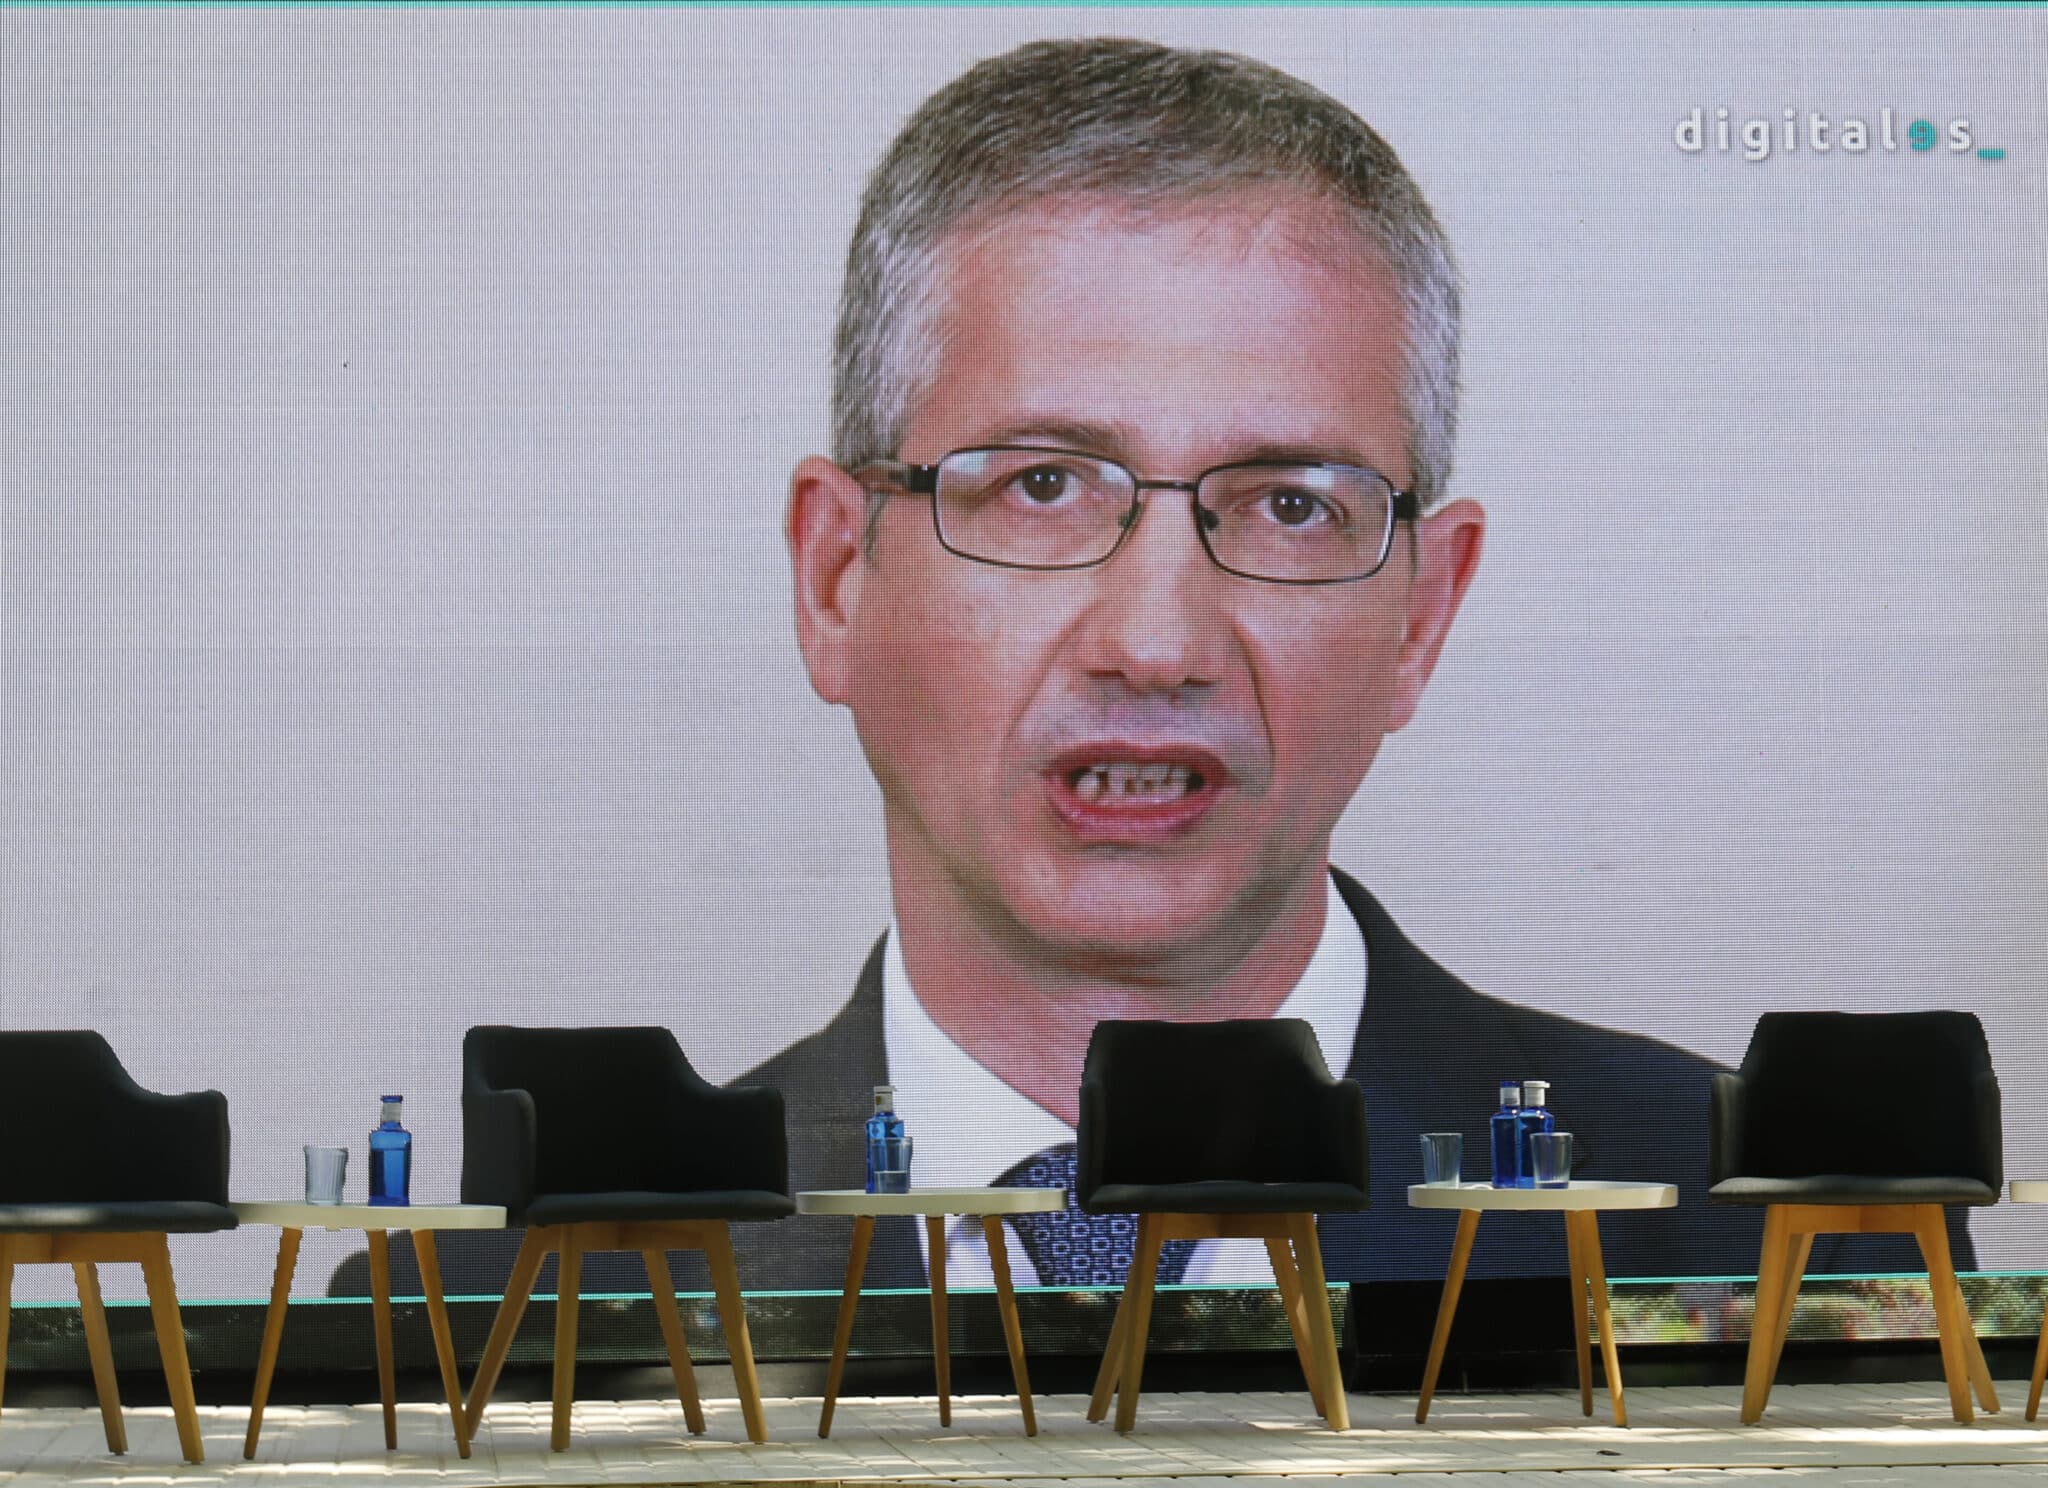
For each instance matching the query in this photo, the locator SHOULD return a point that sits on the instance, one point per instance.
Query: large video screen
(399, 629)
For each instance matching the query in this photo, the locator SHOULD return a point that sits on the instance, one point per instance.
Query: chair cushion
(576, 1208)
(1226, 1196)
(141, 1216)
(1848, 1188)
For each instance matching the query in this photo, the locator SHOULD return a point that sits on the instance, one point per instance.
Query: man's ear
(825, 528)
(1447, 544)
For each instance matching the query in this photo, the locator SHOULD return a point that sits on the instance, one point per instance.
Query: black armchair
(1847, 1123)
(1219, 1130)
(111, 1171)
(606, 1139)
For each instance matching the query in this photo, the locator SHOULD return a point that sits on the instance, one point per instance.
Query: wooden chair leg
(1447, 1309)
(998, 1243)
(6, 1303)
(518, 1287)
(429, 1255)
(1288, 1280)
(170, 1342)
(1799, 1250)
(1575, 1263)
(1112, 1368)
(1322, 1330)
(1980, 1372)
(1771, 1260)
(942, 1333)
(1941, 1281)
(2033, 1386)
(273, 1332)
(100, 1349)
(380, 1326)
(732, 1317)
(1138, 1292)
(568, 1298)
(661, 1283)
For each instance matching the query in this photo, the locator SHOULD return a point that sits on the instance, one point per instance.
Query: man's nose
(1157, 621)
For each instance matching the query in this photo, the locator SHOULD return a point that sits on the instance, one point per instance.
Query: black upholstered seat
(1215, 1130)
(1855, 1122)
(107, 1171)
(607, 1139)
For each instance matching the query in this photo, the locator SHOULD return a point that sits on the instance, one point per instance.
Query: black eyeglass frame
(923, 480)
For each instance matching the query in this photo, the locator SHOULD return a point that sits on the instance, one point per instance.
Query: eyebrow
(1116, 441)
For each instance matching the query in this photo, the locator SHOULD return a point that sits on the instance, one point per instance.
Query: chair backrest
(1243, 1099)
(611, 1105)
(85, 1131)
(1899, 1095)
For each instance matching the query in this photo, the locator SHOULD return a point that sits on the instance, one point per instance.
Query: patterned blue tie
(1070, 1248)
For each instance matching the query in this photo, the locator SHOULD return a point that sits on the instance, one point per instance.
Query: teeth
(1121, 780)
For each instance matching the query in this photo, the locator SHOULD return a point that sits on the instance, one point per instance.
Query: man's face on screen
(1111, 765)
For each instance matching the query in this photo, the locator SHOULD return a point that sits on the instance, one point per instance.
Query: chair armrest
(1344, 1119)
(177, 1146)
(1724, 1128)
(755, 1135)
(1091, 1142)
(1990, 1131)
(498, 1149)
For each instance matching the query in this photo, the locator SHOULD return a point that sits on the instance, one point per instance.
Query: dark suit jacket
(1430, 1053)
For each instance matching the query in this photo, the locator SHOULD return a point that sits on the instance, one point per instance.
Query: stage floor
(1838, 1436)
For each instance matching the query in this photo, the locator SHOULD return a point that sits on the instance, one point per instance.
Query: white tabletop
(1580, 1194)
(2030, 1190)
(298, 1215)
(932, 1201)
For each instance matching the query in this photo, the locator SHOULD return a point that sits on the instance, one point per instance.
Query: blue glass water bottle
(887, 1147)
(1506, 1134)
(391, 1157)
(1534, 1117)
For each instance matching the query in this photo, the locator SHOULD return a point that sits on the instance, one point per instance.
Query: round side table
(1580, 1203)
(990, 1204)
(294, 1218)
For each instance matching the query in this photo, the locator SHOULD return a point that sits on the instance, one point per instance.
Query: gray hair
(1143, 123)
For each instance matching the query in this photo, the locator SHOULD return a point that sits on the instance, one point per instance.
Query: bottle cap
(391, 1100)
(1510, 1093)
(1535, 1092)
(885, 1097)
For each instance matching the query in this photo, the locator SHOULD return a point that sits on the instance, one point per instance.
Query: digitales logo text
(1811, 132)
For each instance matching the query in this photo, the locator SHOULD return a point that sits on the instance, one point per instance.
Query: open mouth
(1114, 782)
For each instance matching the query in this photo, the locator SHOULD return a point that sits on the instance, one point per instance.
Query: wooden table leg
(1447, 1309)
(1596, 1277)
(444, 1337)
(1006, 1304)
(942, 1351)
(273, 1331)
(380, 1318)
(1575, 1260)
(100, 1349)
(842, 1332)
(170, 1341)
(2033, 1388)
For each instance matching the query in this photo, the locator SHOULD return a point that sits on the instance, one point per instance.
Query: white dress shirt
(969, 1128)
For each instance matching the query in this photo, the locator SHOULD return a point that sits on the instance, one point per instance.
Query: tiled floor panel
(1831, 1436)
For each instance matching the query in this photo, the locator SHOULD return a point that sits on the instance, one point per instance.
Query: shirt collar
(970, 1128)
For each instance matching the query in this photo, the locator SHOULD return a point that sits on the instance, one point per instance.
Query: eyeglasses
(1283, 522)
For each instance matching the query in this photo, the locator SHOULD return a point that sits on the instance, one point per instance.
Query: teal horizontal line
(1991, 154)
(1614, 1282)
